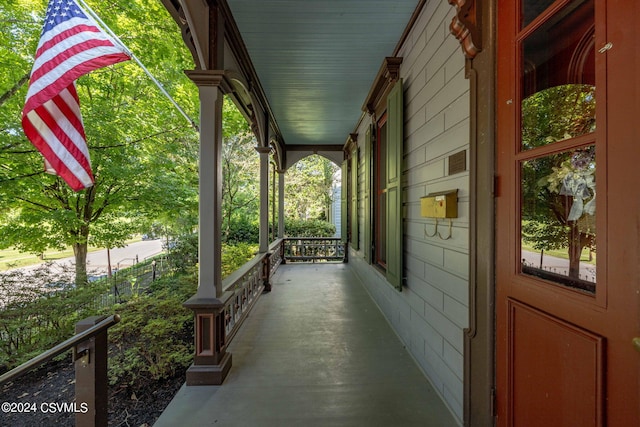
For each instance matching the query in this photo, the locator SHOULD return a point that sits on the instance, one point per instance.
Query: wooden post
(91, 376)
(211, 362)
(266, 271)
(281, 203)
(264, 198)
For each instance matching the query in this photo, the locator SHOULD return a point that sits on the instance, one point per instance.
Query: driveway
(97, 262)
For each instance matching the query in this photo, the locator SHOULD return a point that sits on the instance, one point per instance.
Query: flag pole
(135, 58)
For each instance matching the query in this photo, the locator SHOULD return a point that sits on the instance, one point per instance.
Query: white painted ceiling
(317, 59)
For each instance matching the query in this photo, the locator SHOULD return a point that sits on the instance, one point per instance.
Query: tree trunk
(109, 271)
(575, 250)
(80, 251)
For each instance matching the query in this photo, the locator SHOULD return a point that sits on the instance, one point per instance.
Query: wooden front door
(568, 213)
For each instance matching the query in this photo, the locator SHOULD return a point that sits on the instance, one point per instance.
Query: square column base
(209, 374)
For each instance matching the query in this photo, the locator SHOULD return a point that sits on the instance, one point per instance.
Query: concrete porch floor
(316, 351)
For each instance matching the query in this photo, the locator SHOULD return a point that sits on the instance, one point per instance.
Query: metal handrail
(58, 349)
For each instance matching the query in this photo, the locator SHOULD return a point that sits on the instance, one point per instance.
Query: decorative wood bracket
(389, 73)
(352, 142)
(279, 155)
(466, 25)
(253, 123)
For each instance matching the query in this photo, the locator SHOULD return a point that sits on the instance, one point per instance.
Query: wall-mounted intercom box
(443, 204)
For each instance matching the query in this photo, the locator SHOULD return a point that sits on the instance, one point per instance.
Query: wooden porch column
(211, 362)
(264, 198)
(264, 214)
(281, 204)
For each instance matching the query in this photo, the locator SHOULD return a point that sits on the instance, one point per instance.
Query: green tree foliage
(308, 189)
(183, 251)
(558, 113)
(184, 254)
(143, 152)
(240, 178)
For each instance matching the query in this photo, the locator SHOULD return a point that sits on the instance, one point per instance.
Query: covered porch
(314, 351)
(324, 346)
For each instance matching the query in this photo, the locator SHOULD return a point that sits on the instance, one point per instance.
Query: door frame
(479, 341)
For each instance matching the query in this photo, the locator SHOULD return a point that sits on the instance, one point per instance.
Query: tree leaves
(143, 151)
(308, 192)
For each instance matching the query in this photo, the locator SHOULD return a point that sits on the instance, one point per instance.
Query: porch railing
(244, 286)
(90, 358)
(217, 320)
(313, 249)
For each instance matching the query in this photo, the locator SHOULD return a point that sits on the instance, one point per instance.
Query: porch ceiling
(316, 60)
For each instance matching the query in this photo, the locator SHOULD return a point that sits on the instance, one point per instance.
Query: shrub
(155, 336)
(183, 251)
(234, 256)
(241, 231)
(309, 228)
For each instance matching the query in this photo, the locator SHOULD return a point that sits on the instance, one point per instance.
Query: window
(355, 238)
(558, 145)
(387, 151)
(382, 232)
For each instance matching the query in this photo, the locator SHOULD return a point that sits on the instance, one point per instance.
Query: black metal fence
(132, 280)
(39, 308)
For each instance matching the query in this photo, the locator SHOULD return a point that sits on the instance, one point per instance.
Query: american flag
(70, 46)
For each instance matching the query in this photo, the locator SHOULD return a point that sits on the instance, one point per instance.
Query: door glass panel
(558, 213)
(558, 113)
(558, 77)
(532, 8)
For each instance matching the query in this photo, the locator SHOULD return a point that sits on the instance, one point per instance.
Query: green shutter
(366, 195)
(355, 243)
(343, 203)
(395, 142)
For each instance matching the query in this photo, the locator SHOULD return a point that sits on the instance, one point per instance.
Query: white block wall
(431, 312)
